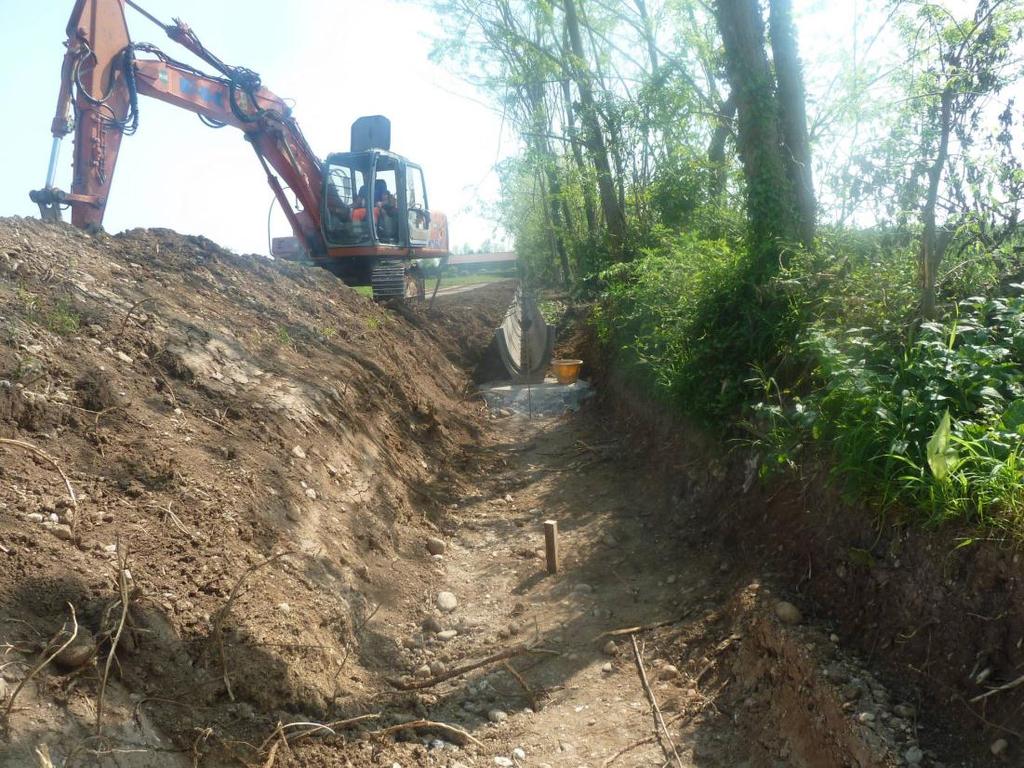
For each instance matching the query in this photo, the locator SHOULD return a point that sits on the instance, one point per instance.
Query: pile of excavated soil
(252, 447)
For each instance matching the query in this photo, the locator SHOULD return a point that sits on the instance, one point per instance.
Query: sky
(336, 59)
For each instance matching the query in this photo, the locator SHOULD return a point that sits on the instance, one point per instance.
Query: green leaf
(1013, 416)
(942, 457)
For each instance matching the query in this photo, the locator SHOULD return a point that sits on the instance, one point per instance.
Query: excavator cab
(375, 218)
(374, 199)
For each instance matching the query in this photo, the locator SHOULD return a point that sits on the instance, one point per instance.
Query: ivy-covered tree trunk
(772, 207)
(796, 145)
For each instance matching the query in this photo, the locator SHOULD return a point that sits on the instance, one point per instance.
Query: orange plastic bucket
(566, 371)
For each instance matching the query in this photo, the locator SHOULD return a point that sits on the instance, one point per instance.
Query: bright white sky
(336, 59)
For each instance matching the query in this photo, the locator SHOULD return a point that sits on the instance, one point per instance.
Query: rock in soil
(788, 613)
(999, 746)
(497, 716)
(436, 546)
(913, 756)
(447, 602)
(79, 653)
(610, 648)
(668, 672)
(432, 625)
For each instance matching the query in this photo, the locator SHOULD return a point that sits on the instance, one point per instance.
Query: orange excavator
(362, 214)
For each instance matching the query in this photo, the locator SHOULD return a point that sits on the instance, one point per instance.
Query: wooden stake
(551, 544)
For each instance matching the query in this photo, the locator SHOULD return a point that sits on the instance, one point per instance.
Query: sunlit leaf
(942, 457)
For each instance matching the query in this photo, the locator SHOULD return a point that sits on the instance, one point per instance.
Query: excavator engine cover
(371, 132)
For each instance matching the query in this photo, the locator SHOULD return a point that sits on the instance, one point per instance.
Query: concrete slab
(547, 398)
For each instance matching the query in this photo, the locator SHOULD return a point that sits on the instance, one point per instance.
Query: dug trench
(292, 535)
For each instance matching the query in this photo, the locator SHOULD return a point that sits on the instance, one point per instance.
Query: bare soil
(271, 453)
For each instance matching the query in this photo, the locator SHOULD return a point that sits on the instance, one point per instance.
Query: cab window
(418, 212)
(385, 200)
(345, 206)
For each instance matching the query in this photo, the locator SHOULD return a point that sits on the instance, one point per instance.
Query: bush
(926, 421)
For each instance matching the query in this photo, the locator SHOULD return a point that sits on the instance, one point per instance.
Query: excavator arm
(103, 75)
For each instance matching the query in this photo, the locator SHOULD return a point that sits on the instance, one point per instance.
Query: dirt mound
(211, 411)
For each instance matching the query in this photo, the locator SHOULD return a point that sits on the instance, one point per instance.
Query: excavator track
(388, 280)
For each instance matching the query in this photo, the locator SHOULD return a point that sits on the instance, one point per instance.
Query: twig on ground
(166, 383)
(218, 625)
(36, 669)
(722, 646)
(168, 514)
(415, 685)
(272, 755)
(641, 742)
(644, 627)
(522, 684)
(331, 728)
(53, 462)
(136, 305)
(362, 624)
(122, 585)
(1000, 689)
(457, 735)
(42, 753)
(667, 746)
(215, 423)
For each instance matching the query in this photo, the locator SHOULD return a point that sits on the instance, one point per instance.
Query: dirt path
(731, 680)
(585, 702)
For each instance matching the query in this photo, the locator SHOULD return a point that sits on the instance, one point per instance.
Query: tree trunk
(771, 206)
(577, 153)
(648, 34)
(716, 149)
(932, 246)
(614, 218)
(796, 146)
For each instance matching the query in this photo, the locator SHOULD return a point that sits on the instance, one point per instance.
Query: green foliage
(929, 426)
(825, 359)
(688, 324)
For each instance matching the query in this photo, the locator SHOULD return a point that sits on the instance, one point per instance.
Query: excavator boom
(101, 80)
(362, 214)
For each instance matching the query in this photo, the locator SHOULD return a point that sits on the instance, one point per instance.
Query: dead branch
(415, 685)
(1000, 689)
(272, 755)
(122, 583)
(667, 746)
(53, 462)
(38, 667)
(218, 625)
(457, 735)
